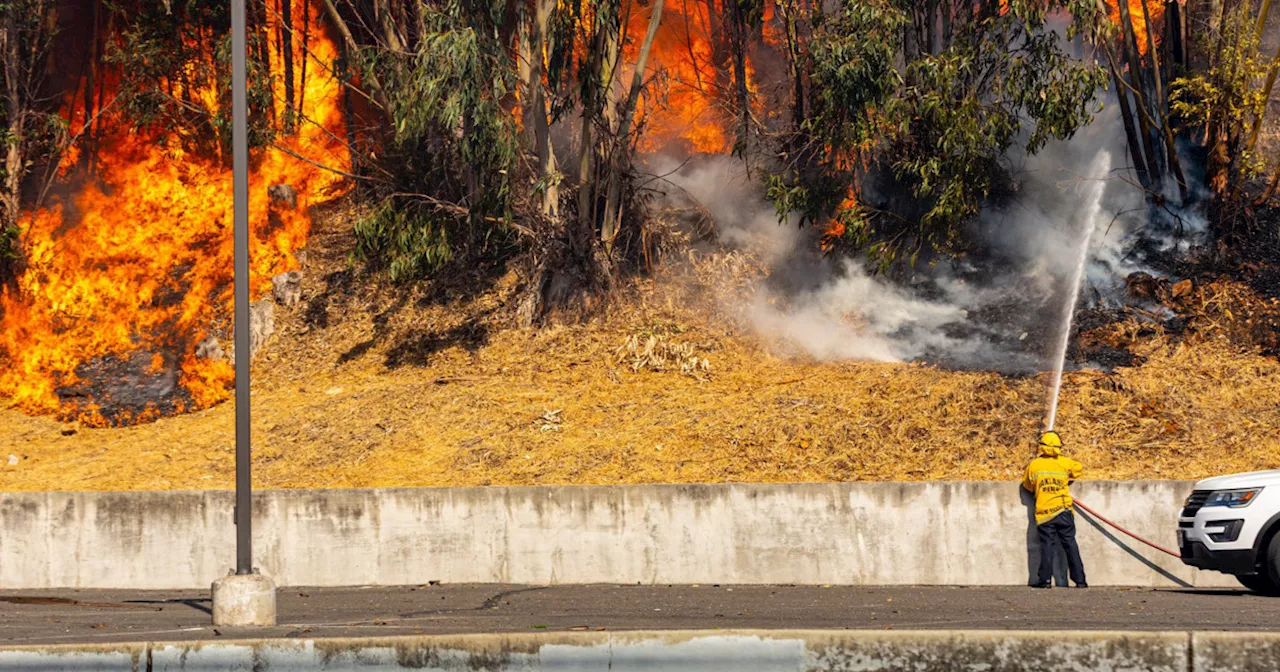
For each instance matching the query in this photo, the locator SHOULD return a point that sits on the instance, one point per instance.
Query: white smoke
(955, 312)
(855, 316)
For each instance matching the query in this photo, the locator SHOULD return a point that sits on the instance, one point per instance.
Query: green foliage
(167, 72)
(938, 124)
(407, 240)
(8, 245)
(453, 141)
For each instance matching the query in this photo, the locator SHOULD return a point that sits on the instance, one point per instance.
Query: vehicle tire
(1258, 583)
(1271, 564)
(1267, 580)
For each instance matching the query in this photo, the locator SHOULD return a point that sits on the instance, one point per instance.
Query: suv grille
(1195, 502)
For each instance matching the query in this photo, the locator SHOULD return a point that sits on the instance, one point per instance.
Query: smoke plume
(993, 310)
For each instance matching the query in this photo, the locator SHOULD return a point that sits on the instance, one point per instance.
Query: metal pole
(240, 224)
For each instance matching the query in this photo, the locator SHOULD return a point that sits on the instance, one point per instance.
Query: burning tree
(922, 101)
(904, 110)
(32, 135)
(1192, 84)
(469, 94)
(480, 132)
(128, 263)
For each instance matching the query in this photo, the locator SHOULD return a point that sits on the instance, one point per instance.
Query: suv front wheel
(1258, 583)
(1267, 580)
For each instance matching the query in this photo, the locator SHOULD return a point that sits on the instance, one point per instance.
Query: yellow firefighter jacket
(1048, 477)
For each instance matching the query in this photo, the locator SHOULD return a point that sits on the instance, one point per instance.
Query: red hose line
(1099, 516)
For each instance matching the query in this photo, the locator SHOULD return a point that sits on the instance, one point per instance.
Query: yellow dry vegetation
(376, 387)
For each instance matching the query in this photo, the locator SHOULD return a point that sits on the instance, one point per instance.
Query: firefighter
(1048, 477)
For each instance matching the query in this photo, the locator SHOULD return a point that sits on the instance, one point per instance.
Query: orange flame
(691, 48)
(683, 48)
(141, 261)
(1155, 10)
(836, 228)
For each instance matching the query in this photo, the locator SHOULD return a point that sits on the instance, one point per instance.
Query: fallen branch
(317, 164)
(790, 381)
(445, 380)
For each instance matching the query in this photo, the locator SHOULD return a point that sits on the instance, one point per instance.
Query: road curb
(702, 650)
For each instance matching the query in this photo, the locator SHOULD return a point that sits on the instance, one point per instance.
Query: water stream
(1091, 213)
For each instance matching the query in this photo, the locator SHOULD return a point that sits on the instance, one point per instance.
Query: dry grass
(366, 387)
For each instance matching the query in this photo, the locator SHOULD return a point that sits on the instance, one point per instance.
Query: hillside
(368, 385)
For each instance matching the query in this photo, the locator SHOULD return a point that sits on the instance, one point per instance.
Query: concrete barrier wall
(948, 533)
(720, 651)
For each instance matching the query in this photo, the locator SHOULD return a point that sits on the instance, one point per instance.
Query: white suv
(1230, 525)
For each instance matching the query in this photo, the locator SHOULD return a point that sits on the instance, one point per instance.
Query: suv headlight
(1234, 499)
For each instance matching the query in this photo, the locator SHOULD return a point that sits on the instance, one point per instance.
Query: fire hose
(1099, 516)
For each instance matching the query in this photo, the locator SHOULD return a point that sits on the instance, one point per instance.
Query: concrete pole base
(244, 599)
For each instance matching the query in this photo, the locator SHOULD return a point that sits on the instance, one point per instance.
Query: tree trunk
(1162, 108)
(535, 114)
(1130, 133)
(257, 24)
(795, 69)
(622, 151)
(306, 56)
(382, 14)
(909, 47)
(1271, 188)
(594, 93)
(738, 44)
(609, 71)
(421, 20)
(353, 48)
(1130, 49)
(10, 205)
(1127, 116)
(1200, 21)
(349, 113)
(930, 10)
(946, 25)
(1175, 35)
(90, 88)
(719, 37)
(1262, 20)
(1220, 132)
(586, 188)
(1266, 98)
(1216, 9)
(1159, 109)
(286, 54)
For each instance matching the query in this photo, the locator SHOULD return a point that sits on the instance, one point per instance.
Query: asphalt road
(83, 616)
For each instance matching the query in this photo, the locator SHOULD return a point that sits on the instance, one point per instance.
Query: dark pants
(1060, 533)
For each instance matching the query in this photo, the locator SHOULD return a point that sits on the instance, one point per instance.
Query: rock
(262, 324)
(210, 348)
(287, 288)
(283, 194)
(1142, 285)
(13, 460)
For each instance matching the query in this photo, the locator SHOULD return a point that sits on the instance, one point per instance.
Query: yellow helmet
(1050, 444)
